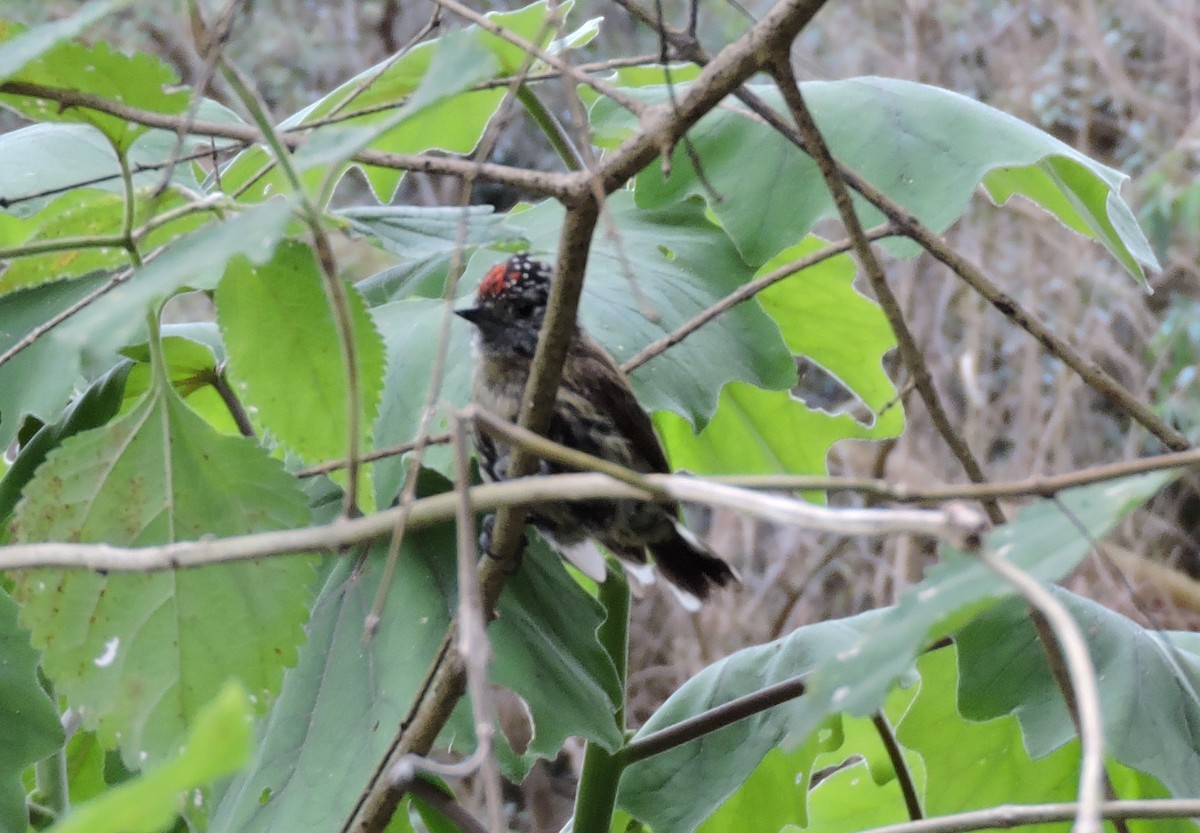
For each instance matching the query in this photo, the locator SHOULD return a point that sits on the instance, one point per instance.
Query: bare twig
(1083, 684)
(896, 755)
(952, 524)
(910, 353)
(377, 454)
(713, 719)
(1016, 815)
(447, 806)
(532, 49)
(549, 184)
(335, 290)
(743, 293)
(473, 643)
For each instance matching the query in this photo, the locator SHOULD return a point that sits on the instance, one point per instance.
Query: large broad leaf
(678, 265)
(28, 719)
(137, 80)
(958, 765)
(39, 162)
(823, 318)
(925, 147)
(139, 654)
(1149, 689)
(342, 703)
(701, 774)
(286, 357)
(756, 431)
(1044, 540)
(39, 379)
(217, 745)
(850, 666)
(546, 651)
(425, 240)
(413, 330)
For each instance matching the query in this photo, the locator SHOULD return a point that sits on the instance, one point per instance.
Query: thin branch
(910, 353)
(378, 454)
(549, 184)
(715, 718)
(1083, 684)
(896, 755)
(335, 289)
(220, 383)
(447, 806)
(1016, 815)
(743, 293)
(565, 69)
(1047, 486)
(473, 644)
(53, 321)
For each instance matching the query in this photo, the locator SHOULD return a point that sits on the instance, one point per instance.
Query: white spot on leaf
(110, 653)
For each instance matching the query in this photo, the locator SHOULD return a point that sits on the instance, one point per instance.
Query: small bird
(594, 411)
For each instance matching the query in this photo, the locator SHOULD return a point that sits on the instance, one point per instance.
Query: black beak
(476, 315)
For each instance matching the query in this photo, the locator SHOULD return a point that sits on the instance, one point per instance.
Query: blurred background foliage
(1119, 80)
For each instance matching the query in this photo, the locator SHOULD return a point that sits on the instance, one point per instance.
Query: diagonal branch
(910, 353)
(549, 184)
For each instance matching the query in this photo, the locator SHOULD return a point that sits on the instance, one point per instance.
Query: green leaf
(39, 162)
(1044, 540)
(755, 431)
(192, 367)
(20, 46)
(140, 653)
(217, 745)
(773, 796)
(546, 651)
(94, 407)
(343, 701)
(917, 165)
(137, 80)
(41, 377)
(425, 239)
(701, 774)
(972, 765)
(94, 214)
(825, 319)
(444, 116)
(285, 355)
(28, 719)
(412, 329)
(459, 61)
(1148, 691)
(679, 264)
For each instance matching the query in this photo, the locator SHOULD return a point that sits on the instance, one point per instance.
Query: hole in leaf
(821, 390)
(514, 718)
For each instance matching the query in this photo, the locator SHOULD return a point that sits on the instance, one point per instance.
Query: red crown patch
(504, 276)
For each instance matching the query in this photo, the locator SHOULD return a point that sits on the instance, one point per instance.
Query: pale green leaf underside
(925, 147)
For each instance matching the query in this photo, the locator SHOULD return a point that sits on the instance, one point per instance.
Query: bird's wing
(599, 376)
